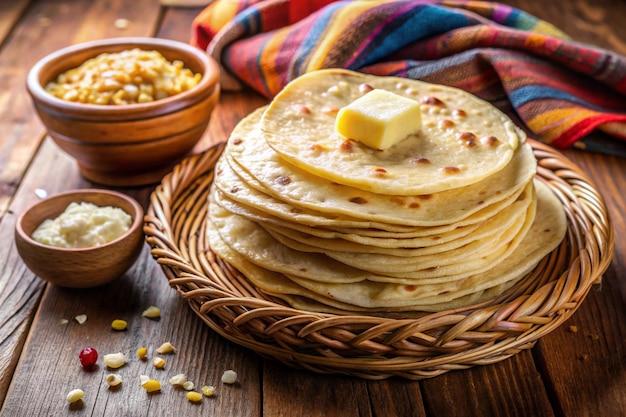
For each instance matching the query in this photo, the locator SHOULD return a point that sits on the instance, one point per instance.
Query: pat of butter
(379, 119)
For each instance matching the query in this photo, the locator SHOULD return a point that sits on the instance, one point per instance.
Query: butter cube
(379, 119)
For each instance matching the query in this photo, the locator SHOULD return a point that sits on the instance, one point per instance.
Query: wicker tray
(379, 347)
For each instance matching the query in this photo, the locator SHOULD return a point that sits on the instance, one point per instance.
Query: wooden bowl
(133, 144)
(79, 267)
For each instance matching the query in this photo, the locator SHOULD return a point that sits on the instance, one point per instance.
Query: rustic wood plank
(596, 22)
(513, 387)
(289, 393)
(567, 360)
(10, 13)
(336, 395)
(21, 290)
(176, 23)
(22, 131)
(594, 349)
(54, 346)
(20, 139)
(585, 360)
(49, 160)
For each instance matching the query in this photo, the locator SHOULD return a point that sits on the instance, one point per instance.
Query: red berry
(88, 357)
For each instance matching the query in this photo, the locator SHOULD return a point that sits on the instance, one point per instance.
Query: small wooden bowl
(79, 267)
(133, 144)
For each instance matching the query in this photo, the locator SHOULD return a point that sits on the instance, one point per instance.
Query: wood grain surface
(577, 370)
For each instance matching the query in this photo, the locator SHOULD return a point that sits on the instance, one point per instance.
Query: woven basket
(375, 347)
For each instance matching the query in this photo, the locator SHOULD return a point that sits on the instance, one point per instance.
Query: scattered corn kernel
(194, 396)
(166, 347)
(81, 318)
(113, 380)
(75, 395)
(151, 385)
(118, 324)
(178, 379)
(158, 363)
(121, 23)
(152, 312)
(208, 390)
(64, 321)
(229, 377)
(114, 360)
(142, 352)
(188, 385)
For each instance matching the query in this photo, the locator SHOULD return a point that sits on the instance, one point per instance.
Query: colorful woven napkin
(560, 90)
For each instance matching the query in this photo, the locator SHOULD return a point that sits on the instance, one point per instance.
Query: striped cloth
(560, 90)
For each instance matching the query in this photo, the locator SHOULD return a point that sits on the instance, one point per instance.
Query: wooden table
(565, 374)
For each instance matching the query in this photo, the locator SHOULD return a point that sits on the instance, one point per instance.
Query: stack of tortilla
(447, 217)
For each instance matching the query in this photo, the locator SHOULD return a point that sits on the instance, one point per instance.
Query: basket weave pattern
(377, 347)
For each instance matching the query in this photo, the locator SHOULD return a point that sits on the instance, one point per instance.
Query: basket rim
(369, 346)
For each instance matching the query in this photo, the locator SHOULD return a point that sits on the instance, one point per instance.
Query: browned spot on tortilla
(283, 180)
(420, 160)
(459, 113)
(317, 148)
(330, 110)
(237, 141)
(304, 109)
(451, 170)
(445, 124)
(358, 200)
(490, 140)
(433, 101)
(379, 172)
(410, 288)
(468, 138)
(346, 146)
(414, 205)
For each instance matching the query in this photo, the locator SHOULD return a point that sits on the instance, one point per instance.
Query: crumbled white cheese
(83, 225)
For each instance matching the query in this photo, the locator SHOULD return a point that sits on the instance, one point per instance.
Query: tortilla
(546, 232)
(449, 216)
(300, 121)
(266, 171)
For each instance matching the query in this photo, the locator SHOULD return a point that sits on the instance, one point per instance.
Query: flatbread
(546, 232)
(500, 223)
(299, 126)
(449, 216)
(234, 190)
(262, 168)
